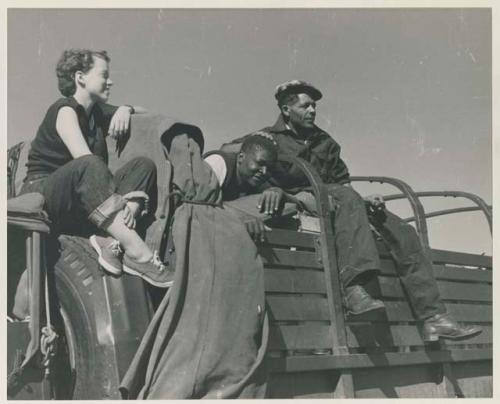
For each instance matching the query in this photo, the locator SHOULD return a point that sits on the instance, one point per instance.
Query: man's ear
(241, 156)
(285, 110)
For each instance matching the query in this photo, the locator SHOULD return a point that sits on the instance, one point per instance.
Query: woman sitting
(67, 164)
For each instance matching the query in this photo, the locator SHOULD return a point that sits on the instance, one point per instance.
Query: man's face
(302, 113)
(254, 166)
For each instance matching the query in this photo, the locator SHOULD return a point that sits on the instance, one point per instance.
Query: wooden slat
(400, 311)
(445, 272)
(474, 292)
(474, 379)
(448, 257)
(416, 381)
(458, 258)
(318, 336)
(289, 238)
(304, 385)
(297, 307)
(387, 287)
(384, 335)
(300, 337)
(386, 359)
(462, 274)
(294, 281)
(470, 312)
(277, 256)
(478, 292)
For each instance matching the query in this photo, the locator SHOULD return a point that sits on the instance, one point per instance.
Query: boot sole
(436, 337)
(102, 262)
(149, 280)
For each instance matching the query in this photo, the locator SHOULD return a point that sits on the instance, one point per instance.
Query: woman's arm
(120, 122)
(68, 128)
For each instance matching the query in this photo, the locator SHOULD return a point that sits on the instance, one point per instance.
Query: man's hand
(120, 122)
(375, 207)
(257, 229)
(271, 200)
(375, 200)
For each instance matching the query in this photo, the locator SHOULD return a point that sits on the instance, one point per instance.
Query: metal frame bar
(344, 387)
(36, 266)
(12, 162)
(480, 204)
(36, 288)
(413, 198)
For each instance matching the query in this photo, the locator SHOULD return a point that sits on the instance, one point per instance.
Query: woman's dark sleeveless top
(48, 152)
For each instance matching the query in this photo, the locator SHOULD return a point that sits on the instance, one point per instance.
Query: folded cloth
(27, 211)
(30, 204)
(208, 337)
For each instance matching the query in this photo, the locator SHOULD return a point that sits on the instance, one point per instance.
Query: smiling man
(245, 172)
(241, 173)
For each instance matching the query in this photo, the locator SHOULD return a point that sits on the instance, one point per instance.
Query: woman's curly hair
(71, 61)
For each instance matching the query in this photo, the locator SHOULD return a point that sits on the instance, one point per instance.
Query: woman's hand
(128, 217)
(120, 122)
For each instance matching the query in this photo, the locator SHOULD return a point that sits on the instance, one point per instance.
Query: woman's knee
(92, 168)
(90, 160)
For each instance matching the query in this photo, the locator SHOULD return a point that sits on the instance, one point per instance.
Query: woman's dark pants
(85, 193)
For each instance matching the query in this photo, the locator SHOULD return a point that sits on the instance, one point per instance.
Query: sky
(407, 92)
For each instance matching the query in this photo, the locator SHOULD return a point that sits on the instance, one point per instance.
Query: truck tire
(78, 365)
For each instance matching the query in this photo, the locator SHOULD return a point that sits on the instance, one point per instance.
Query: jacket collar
(281, 127)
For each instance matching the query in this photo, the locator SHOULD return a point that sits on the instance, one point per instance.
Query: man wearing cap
(357, 255)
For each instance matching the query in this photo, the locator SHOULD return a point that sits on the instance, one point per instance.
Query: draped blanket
(209, 335)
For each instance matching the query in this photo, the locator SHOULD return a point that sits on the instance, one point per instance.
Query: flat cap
(297, 87)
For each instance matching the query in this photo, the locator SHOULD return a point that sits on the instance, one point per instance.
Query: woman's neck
(84, 100)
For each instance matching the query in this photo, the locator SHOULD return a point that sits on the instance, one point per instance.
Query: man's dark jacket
(319, 149)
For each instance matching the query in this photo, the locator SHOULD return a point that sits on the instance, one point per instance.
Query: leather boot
(358, 301)
(444, 326)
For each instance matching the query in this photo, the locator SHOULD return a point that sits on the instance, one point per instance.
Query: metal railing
(12, 162)
(481, 205)
(412, 196)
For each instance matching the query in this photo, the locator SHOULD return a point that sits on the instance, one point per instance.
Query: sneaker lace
(157, 262)
(116, 248)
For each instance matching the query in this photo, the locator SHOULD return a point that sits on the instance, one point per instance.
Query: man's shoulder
(223, 160)
(325, 137)
(218, 162)
(226, 155)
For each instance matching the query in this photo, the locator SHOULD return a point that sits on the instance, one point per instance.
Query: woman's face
(96, 81)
